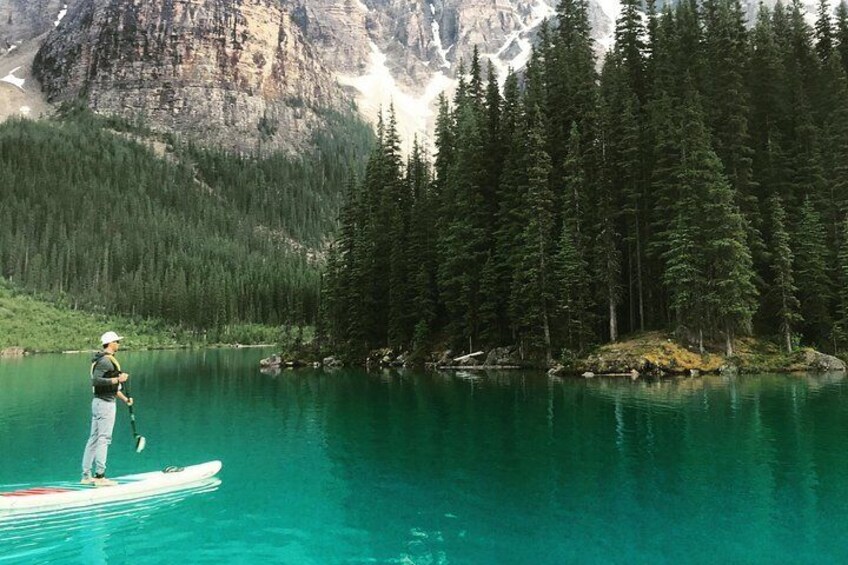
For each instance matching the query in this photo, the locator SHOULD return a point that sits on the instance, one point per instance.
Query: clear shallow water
(349, 467)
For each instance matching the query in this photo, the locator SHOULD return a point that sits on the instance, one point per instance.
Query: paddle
(140, 442)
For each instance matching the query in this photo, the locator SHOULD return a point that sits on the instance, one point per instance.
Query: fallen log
(469, 356)
(477, 367)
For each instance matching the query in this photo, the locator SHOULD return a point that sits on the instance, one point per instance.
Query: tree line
(93, 218)
(697, 182)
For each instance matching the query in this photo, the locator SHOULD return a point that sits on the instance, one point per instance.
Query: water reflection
(34, 536)
(674, 393)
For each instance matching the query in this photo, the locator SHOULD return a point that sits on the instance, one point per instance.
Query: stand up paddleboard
(129, 487)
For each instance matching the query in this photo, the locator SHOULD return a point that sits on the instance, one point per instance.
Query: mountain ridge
(276, 65)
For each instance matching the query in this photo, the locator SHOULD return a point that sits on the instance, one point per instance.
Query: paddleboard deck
(128, 487)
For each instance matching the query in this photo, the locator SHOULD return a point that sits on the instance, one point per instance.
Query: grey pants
(97, 448)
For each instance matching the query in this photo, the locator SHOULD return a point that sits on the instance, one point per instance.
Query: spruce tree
(630, 47)
(842, 274)
(824, 32)
(726, 101)
(783, 287)
(421, 250)
(841, 33)
(509, 223)
(624, 166)
(677, 223)
(462, 247)
(812, 275)
(534, 285)
(770, 126)
(572, 94)
(688, 42)
(573, 277)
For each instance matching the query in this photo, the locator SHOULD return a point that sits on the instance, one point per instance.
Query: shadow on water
(35, 536)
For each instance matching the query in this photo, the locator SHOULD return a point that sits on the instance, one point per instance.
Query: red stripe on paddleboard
(34, 491)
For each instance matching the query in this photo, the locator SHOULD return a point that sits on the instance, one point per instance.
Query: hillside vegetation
(204, 240)
(31, 324)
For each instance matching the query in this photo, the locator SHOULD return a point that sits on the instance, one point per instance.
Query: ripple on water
(63, 533)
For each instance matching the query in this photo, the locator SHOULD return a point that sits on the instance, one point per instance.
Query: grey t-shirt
(102, 373)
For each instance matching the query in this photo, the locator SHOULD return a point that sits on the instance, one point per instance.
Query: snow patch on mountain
(612, 8)
(61, 15)
(378, 90)
(506, 58)
(437, 39)
(13, 80)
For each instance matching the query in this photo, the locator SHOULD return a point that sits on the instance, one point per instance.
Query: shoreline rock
(12, 352)
(651, 354)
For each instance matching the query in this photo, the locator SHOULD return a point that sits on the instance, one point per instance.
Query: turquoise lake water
(424, 468)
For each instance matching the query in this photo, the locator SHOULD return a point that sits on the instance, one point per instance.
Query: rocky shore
(658, 355)
(651, 354)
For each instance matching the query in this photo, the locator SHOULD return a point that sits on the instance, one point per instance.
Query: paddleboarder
(106, 381)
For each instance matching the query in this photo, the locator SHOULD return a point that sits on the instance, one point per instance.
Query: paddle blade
(140, 442)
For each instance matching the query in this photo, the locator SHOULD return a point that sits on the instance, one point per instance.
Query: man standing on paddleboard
(106, 379)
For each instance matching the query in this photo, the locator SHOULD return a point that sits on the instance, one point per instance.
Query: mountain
(227, 72)
(21, 20)
(402, 53)
(238, 74)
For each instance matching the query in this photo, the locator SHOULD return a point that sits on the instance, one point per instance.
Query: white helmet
(109, 337)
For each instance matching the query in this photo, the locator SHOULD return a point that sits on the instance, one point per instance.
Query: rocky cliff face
(217, 69)
(228, 72)
(21, 20)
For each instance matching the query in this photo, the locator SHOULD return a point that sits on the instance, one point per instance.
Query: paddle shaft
(132, 413)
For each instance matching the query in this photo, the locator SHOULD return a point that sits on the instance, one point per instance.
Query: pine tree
(572, 93)
(630, 47)
(572, 268)
(824, 32)
(811, 269)
(494, 150)
(462, 248)
(624, 164)
(533, 289)
(783, 287)
(688, 42)
(770, 127)
(842, 274)
(512, 189)
(421, 250)
(726, 103)
(677, 223)
(608, 265)
(841, 33)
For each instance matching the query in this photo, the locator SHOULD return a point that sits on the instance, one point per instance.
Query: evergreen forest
(695, 182)
(93, 218)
